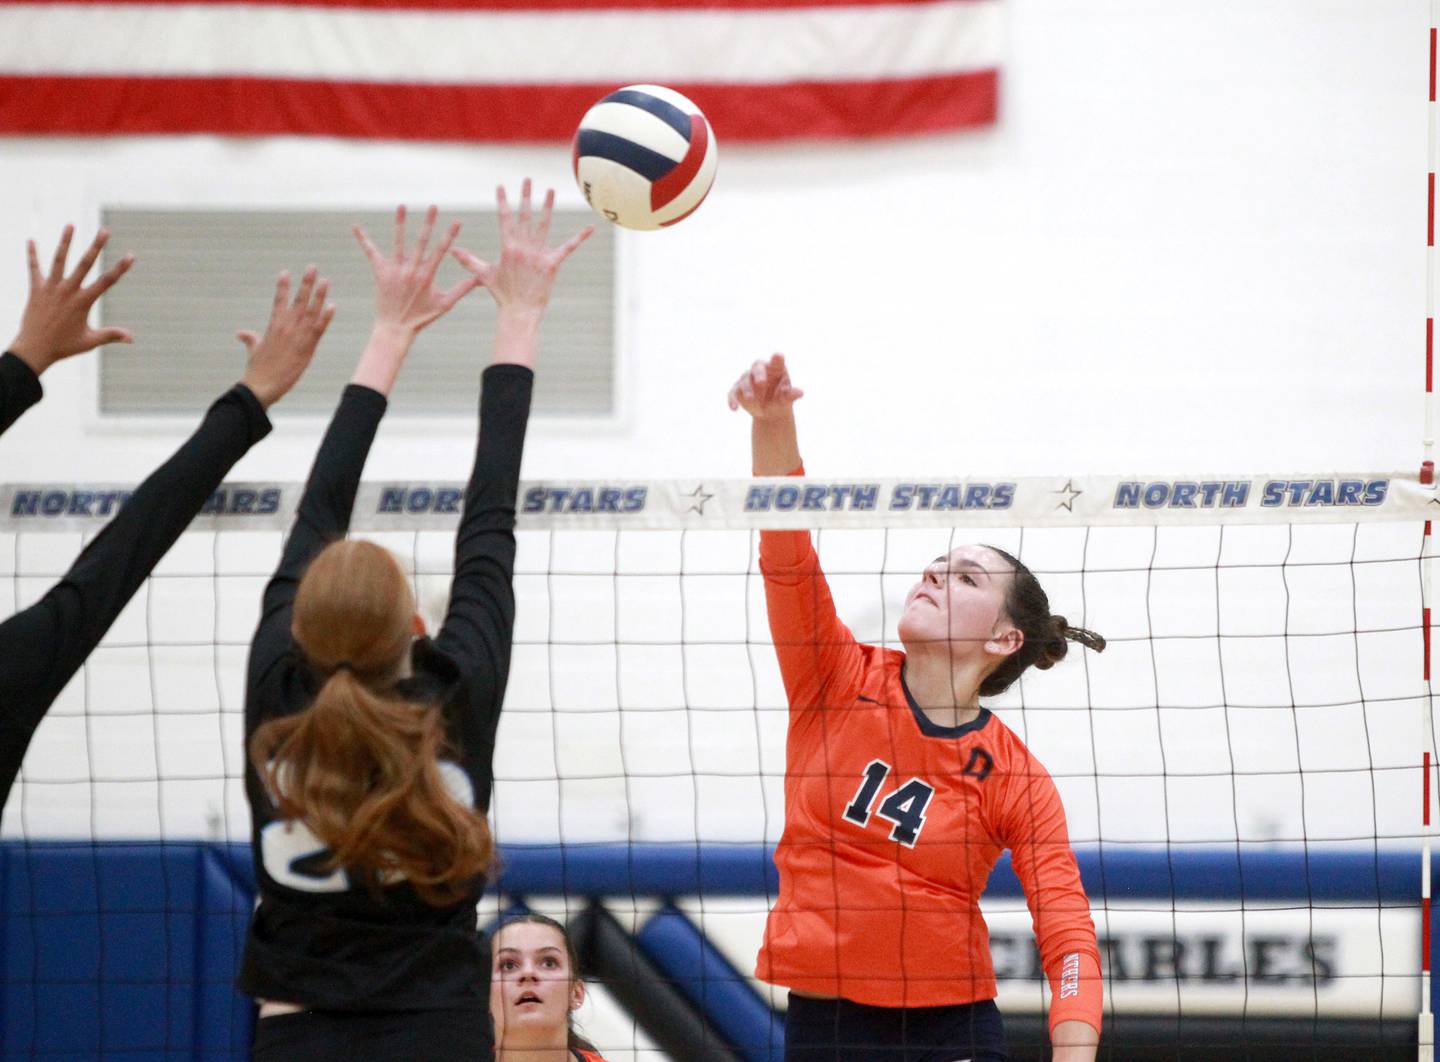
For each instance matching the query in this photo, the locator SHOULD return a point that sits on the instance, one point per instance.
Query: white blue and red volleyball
(645, 157)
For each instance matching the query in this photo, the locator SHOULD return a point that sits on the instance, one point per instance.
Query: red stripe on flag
(264, 107)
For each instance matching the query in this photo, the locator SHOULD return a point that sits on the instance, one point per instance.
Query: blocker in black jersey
(43, 646)
(317, 939)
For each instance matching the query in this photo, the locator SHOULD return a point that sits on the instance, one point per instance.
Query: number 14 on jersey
(904, 808)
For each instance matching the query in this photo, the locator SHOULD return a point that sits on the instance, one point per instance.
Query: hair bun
(1055, 647)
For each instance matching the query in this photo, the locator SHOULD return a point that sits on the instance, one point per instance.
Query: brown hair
(360, 765)
(1047, 637)
(576, 1041)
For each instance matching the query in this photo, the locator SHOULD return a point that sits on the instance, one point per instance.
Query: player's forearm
(329, 497)
(517, 336)
(382, 357)
(1074, 1041)
(113, 566)
(19, 387)
(774, 447)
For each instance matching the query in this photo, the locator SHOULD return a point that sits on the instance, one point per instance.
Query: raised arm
(1039, 842)
(479, 620)
(818, 654)
(55, 324)
(406, 300)
(43, 646)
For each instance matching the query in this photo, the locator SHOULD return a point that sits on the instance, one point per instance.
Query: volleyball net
(1242, 769)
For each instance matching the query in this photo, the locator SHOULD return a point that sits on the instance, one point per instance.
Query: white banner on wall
(1214, 959)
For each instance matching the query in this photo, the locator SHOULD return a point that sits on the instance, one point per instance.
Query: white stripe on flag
(441, 47)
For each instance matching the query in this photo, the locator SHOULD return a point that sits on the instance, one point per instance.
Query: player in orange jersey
(901, 792)
(535, 988)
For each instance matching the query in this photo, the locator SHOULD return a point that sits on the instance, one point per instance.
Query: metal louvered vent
(202, 275)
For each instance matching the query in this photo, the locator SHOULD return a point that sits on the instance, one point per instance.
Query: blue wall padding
(1252, 873)
(128, 950)
(713, 985)
(122, 951)
(646, 868)
(1185, 872)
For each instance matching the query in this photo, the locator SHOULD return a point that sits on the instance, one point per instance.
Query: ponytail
(1047, 637)
(360, 766)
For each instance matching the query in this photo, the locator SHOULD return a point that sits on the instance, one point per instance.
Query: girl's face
(532, 986)
(960, 599)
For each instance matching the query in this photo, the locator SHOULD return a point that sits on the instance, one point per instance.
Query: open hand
(405, 294)
(280, 357)
(525, 274)
(56, 322)
(765, 391)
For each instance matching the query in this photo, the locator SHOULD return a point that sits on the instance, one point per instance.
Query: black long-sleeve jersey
(317, 938)
(19, 389)
(43, 646)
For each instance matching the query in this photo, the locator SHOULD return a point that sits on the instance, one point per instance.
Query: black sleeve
(323, 517)
(19, 389)
(43, 646)
(478, 624)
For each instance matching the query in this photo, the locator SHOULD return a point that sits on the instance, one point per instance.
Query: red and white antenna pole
(1427, 477)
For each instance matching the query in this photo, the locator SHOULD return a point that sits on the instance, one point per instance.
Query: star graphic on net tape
(700, 499)
(1071, 493)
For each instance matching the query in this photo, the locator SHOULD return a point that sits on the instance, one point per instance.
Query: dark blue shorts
(837, 1030)
(400, 1036)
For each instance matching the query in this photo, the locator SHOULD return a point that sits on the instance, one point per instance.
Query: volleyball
(644, 157)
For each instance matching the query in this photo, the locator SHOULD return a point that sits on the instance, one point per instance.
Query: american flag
(493, 70)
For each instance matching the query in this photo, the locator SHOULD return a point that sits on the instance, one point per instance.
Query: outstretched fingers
(432, 266)
(367, 245)
(459, 291)
(307, 288)
(542, 229)
(62, 251)
(566, 249)
(319, 304)
(399, 243)
(282, 293)
(425, 233)
(478, 266)
(525, 204)
(87, 260)
(502, 207)
(108, 278)
(113, 335)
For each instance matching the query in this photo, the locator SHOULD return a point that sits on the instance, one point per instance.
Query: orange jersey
(893, 824)
(585, 1056)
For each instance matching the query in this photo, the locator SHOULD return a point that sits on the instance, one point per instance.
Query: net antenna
(1427, 479)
